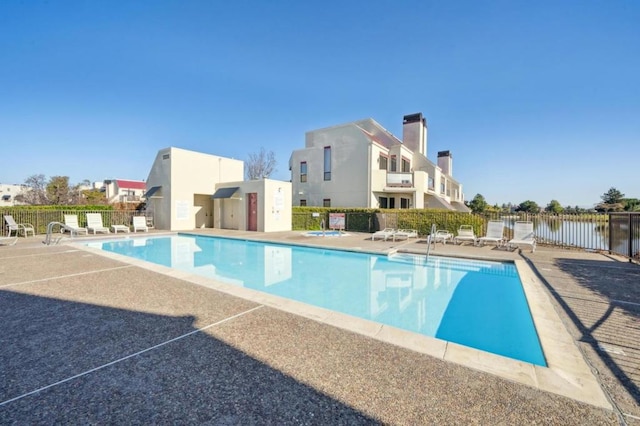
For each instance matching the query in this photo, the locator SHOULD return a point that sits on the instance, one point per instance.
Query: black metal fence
(624, 234)
(41, 218)
(587, 231)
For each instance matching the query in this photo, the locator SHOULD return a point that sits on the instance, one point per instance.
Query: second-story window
(326, 202)
(406, 165)
(327, 163)
(383, 162)
(394, 165)
(303, 202)
(303, 171)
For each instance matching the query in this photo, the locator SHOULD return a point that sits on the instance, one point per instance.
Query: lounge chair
(384, 234)
(405, 233)
(12, 226)
(495, 233)
(94, 223)
(140, 223)
(465, 233)
(442, 236)
(523, 235)
(121, 228)
(8, 241)
(71, 225)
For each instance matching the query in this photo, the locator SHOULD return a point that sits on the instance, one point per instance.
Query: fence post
(630, 237)
(610, 232)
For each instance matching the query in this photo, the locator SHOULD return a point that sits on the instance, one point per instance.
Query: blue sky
(535, 100)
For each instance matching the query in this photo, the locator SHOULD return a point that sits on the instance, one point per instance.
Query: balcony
(400, 180)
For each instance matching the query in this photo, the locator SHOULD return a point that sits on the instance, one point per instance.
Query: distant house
(193, 190)
(124, 191)
(8, 194)
(361, 164)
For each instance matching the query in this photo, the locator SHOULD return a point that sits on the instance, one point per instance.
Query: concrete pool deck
(92, 338)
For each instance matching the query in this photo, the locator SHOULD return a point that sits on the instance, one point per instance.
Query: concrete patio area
(93, 338)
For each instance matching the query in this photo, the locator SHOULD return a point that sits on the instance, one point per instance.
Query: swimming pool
(331, 233)
(479, 304)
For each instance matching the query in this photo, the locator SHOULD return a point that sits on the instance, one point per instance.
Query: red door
(252, 211)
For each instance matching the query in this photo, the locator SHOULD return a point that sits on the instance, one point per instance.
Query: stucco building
(189, 190)
(361, 164)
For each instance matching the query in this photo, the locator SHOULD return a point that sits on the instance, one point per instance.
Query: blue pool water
(474, 303)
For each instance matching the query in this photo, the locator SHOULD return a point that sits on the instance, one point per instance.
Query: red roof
(131, 184)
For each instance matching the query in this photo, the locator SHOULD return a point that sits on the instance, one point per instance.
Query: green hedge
(371, 220)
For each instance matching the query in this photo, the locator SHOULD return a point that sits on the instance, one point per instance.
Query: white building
(123, 191)
(189, 190)
(361, 164)
(8, 194)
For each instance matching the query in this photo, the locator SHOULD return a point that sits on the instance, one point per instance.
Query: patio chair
(94, 223)
(140, 223)
(495, 233)
(405, 233)
(8, 241)
(12, 226)
(71, 225)
(523, 235)
(384, 234)
(465, 233)
(442, 235)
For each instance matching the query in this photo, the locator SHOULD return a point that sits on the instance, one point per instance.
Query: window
(406, 165)
(383, 162)
(442, 188)
(326, 202)
(303, 202)
(392, 203)
(393, 163)
(404, 203)
(384, 202)
(303, 171)
(327, 163)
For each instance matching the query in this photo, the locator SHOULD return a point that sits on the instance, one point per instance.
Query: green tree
(478, 204)
(554, 206)
(58, 190)
(528, 207)
(612, 196)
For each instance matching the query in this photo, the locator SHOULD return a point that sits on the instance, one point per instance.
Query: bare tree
(260, 165)
(35, 193)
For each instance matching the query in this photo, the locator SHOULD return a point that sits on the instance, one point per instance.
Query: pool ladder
(432, 234)
(49, 239)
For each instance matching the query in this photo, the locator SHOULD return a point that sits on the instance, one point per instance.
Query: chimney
(445, 162)
(414, 133)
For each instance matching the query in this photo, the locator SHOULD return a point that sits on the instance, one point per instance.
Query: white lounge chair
(8, 241)
(405, 233)
(495, 233)
(465, 233)
(523, 235)
(140, 223)
(71, 224)
(442, 236)
(94, 223)
(384, 234)
(12, 226)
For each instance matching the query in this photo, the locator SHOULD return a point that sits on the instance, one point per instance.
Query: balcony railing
(400, 179)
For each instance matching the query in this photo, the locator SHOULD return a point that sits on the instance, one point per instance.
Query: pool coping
(566, 374)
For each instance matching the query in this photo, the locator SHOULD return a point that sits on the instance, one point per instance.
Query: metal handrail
(48, 237)
(429, 238)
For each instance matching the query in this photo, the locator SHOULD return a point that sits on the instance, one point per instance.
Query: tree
(612, 196)
(478, 204)
(260, 165)
(528, 207)
(35, 193)
(554, 206)
(58, 191)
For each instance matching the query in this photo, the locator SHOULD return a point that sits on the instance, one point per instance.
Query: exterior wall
(349, 153)
(274, 206)
(186, 177)
(8, 193)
